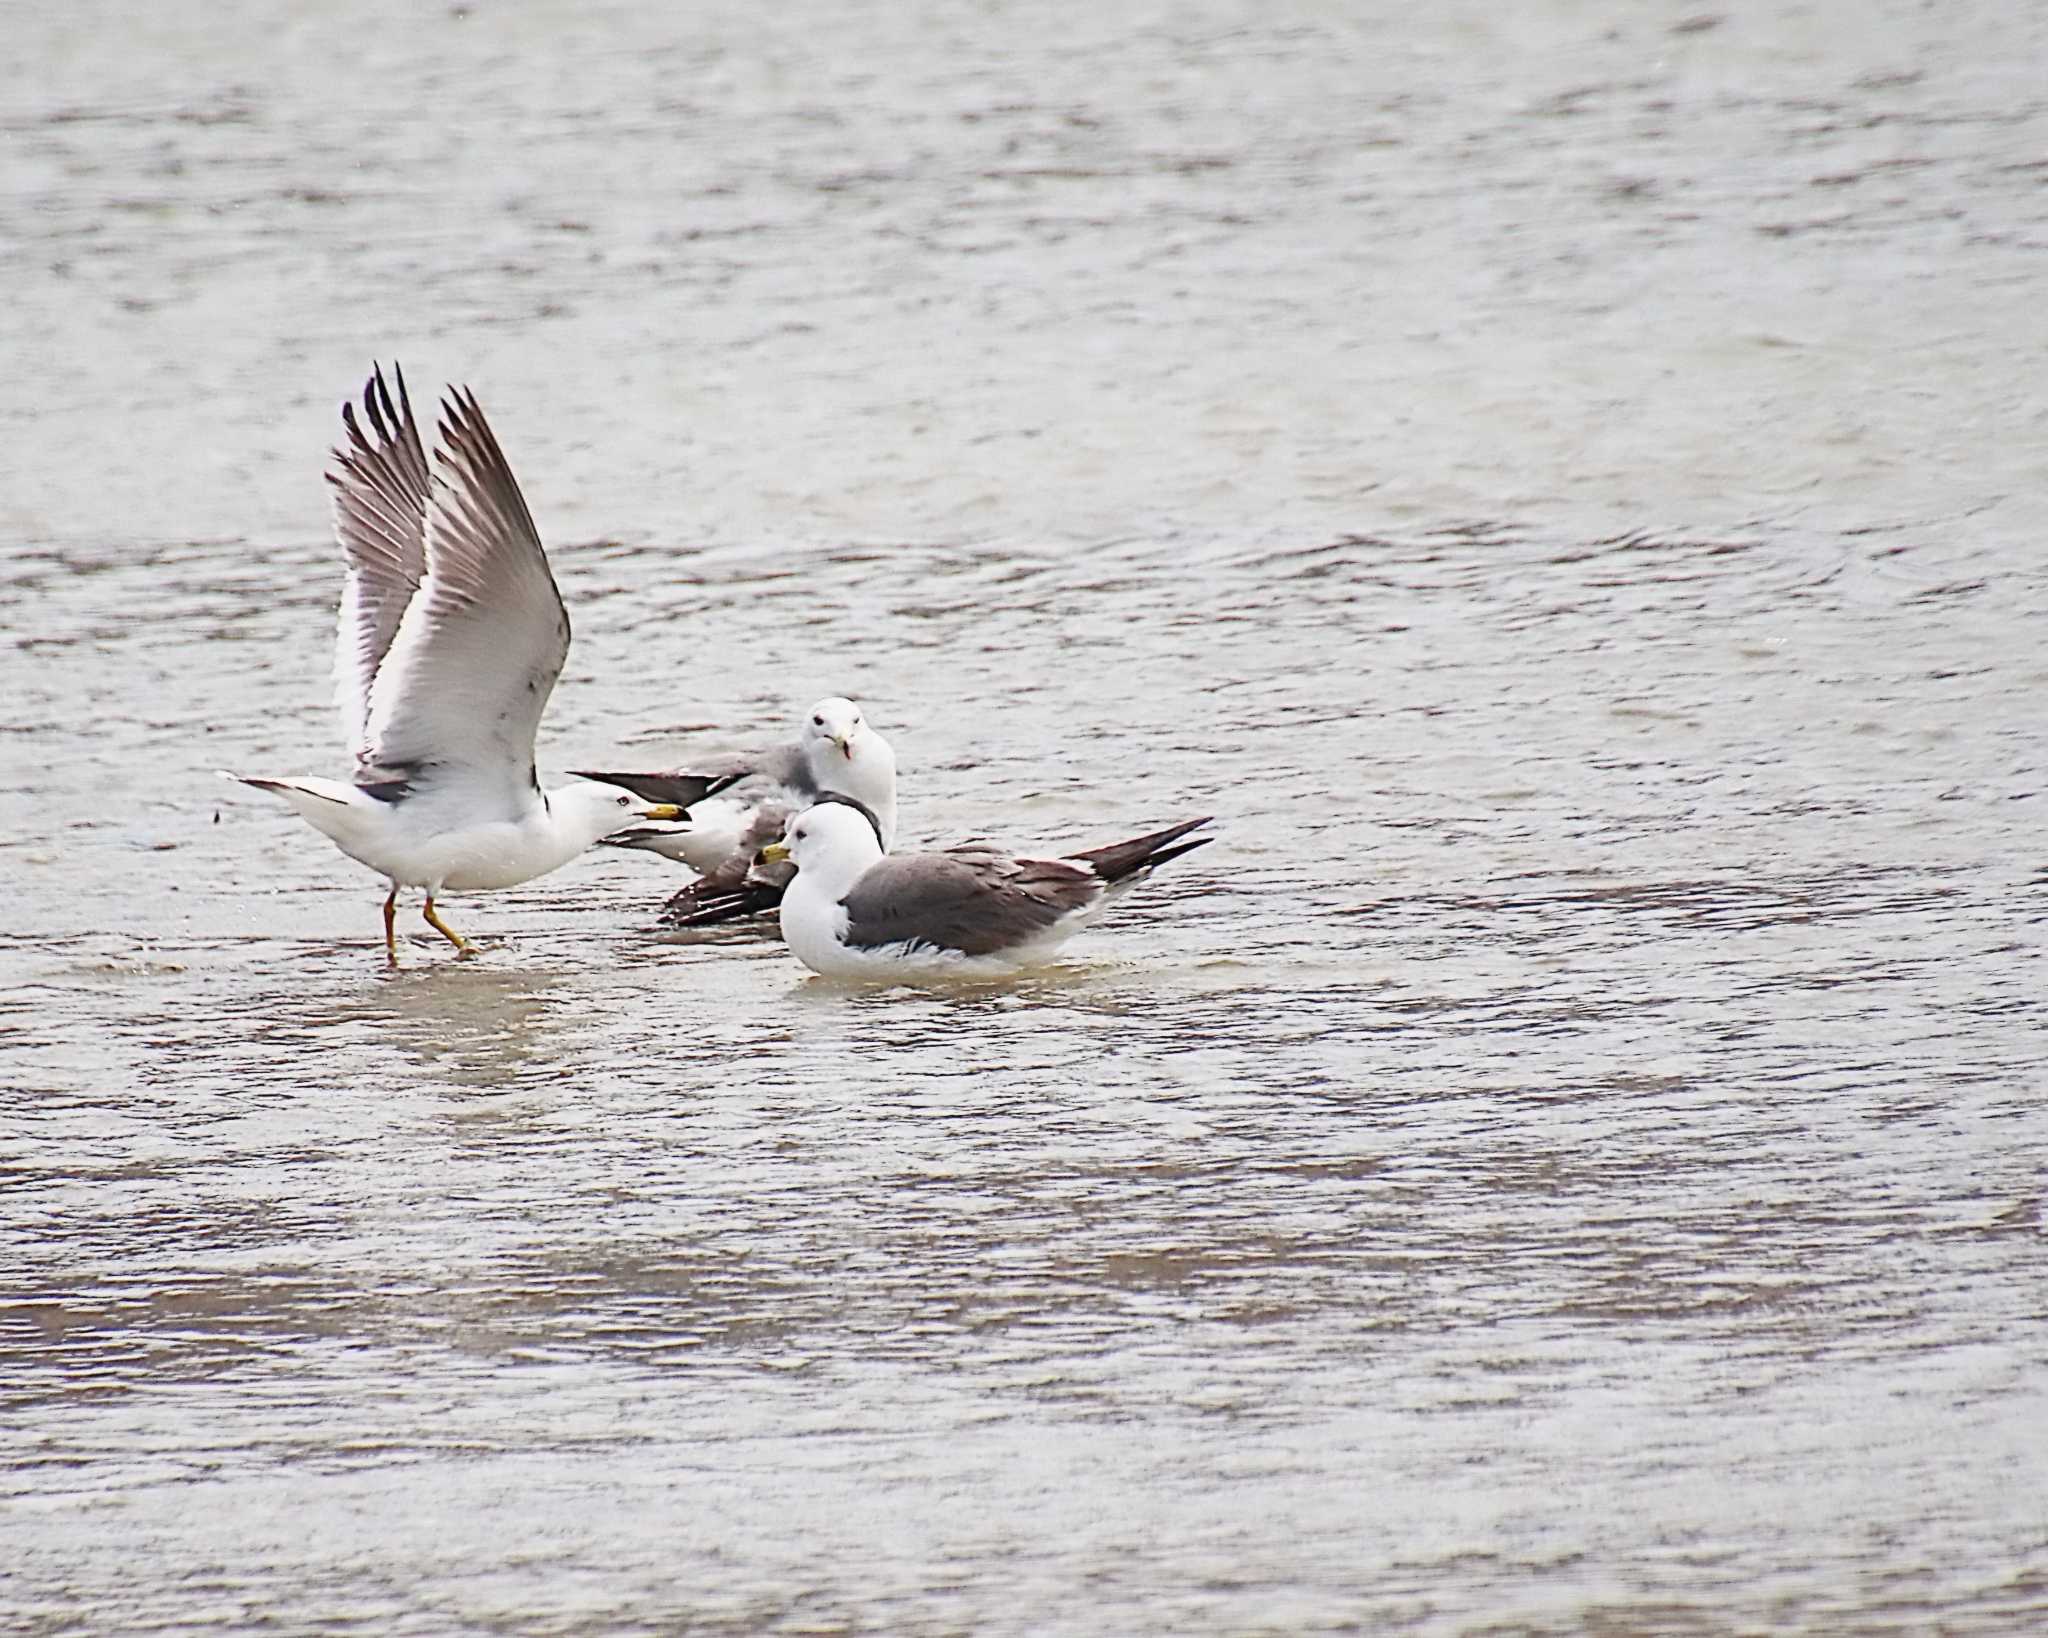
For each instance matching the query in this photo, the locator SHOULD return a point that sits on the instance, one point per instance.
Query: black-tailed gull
(739, 806)
(855, 912)
(451, 637)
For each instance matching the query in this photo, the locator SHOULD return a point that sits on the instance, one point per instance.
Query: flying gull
(451, 637)
(738, 807)
(972, 910)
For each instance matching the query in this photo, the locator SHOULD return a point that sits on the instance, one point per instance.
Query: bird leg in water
(463, 948)
(391, 937)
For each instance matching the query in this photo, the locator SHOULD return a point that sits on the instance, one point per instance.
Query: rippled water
(1564, 488)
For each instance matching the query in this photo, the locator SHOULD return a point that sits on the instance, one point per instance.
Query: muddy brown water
(1563, 484)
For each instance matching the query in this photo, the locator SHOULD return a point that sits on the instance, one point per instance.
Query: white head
(590, 810)
(845, 757)
(830, 844)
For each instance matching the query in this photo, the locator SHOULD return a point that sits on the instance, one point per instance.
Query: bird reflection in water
(470, 1026)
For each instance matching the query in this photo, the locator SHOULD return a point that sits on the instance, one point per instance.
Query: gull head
(832, 840)
(846, 757)
(592, 810)
(835, 728)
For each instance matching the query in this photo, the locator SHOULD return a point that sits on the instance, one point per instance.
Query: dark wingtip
(685, 790)
(389, 422)
(1121, 859)
(1167, 853)
(469, 445)
(757, 898)
(460, 407)
(377, 400)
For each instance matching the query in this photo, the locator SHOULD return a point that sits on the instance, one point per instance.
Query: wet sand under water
(1566, 493)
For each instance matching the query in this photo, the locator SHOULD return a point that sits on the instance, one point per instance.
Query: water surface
(1564, 489)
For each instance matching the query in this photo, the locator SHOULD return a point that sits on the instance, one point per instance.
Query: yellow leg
(462, 945)
(390, 935)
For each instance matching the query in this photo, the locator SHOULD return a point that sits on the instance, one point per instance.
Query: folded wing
(973, 899)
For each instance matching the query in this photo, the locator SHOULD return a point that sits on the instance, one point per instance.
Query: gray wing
(711, 776)
(973, 899)
(380, 517)
(476, 656)
(786, 766)
(685, 788)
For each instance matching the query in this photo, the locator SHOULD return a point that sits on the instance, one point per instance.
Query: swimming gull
(451, 636)
(738, 807)
(972, 910)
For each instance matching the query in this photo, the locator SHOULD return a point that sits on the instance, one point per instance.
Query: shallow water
(1565, 492)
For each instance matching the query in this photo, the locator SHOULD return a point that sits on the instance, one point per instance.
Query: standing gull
(451, 637)
(738, 807)
(854, 912)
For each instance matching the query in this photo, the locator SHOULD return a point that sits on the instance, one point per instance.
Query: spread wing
(476, 655)
(380, 518)
(973, 899)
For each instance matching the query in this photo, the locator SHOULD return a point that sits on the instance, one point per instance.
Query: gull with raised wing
(971, 911)
(451, 637)
(739, 806)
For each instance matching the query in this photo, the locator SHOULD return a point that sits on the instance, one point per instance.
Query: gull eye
(625, 801)
(817, 722)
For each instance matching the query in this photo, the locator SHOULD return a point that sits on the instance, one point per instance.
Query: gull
(451, 636)
(971, 910)
(738, 807)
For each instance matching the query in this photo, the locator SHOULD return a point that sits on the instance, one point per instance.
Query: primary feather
(381, 490)
(476, 655)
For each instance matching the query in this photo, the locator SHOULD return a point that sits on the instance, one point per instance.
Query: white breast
(715, 829)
